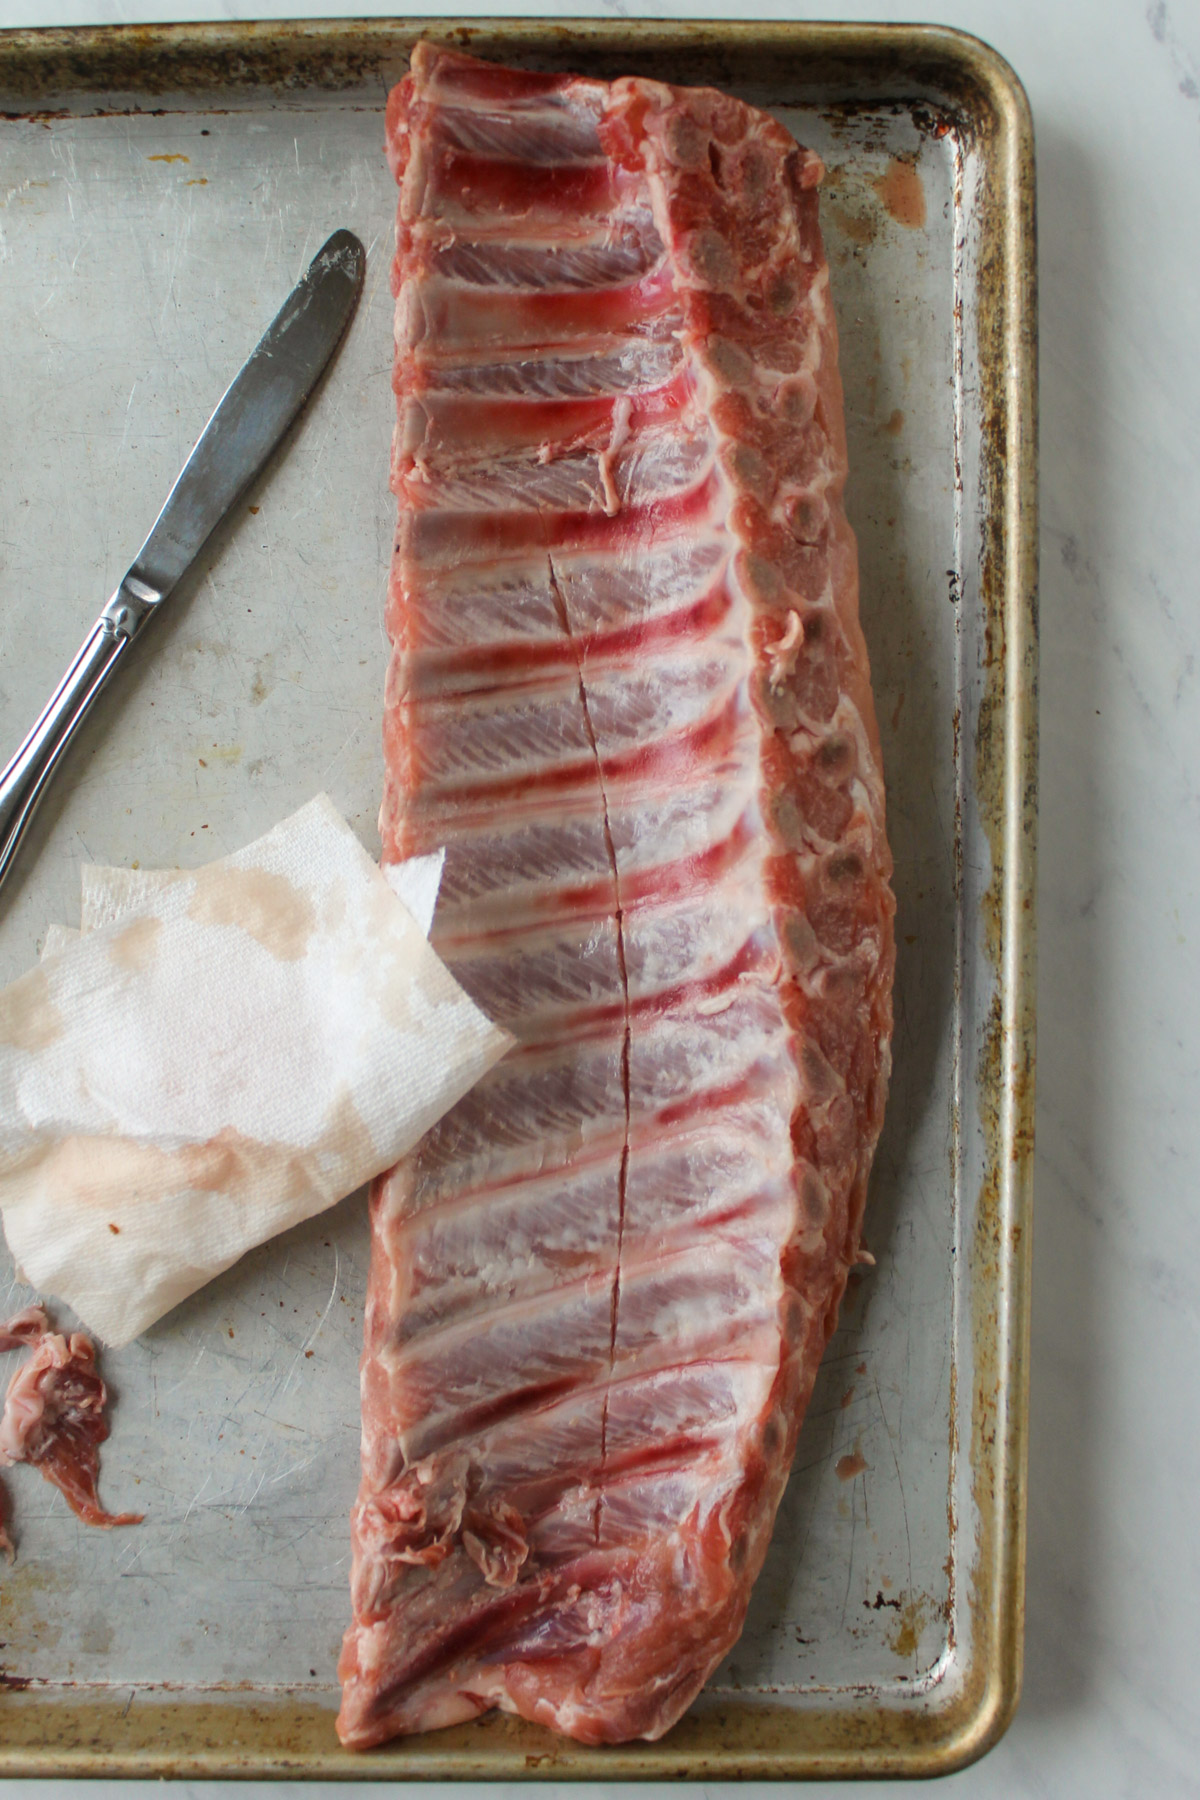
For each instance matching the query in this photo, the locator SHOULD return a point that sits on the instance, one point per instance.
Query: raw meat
(54, 1416)
(630, 694)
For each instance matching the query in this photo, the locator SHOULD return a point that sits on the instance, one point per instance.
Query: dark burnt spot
(730, 362)
(685, 142)
(795, 401)
(782, 295)
(755, 173)
(835, 754)
(750, 469)
(763, 579)
(806, 520)
(713, 259)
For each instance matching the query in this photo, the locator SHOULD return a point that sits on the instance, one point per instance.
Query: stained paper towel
(220, 1054)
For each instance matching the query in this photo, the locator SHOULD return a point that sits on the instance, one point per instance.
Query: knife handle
(27, 776)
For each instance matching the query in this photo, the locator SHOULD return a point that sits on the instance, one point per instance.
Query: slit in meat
(618, 914)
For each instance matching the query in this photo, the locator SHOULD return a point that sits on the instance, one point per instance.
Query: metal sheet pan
(159, 192)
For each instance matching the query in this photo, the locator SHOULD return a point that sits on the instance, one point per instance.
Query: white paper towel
(220, 1054)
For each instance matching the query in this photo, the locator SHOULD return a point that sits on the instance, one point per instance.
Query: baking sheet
(154, 210)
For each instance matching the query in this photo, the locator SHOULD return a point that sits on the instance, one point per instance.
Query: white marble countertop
(1111, 1704)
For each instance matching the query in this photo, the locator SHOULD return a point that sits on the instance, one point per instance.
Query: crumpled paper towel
(221, 1053)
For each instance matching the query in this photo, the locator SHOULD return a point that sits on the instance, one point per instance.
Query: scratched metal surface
(140, 256)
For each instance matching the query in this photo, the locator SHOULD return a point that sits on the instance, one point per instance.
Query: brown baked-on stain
(894, 423)
(847, 1467)
(902, 192)
(29, 1019)
(907, 1634)
(135, 947)
(858, 226)
(266, 906)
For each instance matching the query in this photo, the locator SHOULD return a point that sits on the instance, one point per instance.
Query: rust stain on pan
(946, 81)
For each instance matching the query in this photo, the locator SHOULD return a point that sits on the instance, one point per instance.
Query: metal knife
(253, 415)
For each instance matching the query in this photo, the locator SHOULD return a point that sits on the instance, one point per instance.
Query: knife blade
(252, 416)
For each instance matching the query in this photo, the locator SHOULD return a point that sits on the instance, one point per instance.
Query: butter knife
(254, 413)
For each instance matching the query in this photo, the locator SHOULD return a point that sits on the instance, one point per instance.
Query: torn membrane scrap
(54, 1416)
